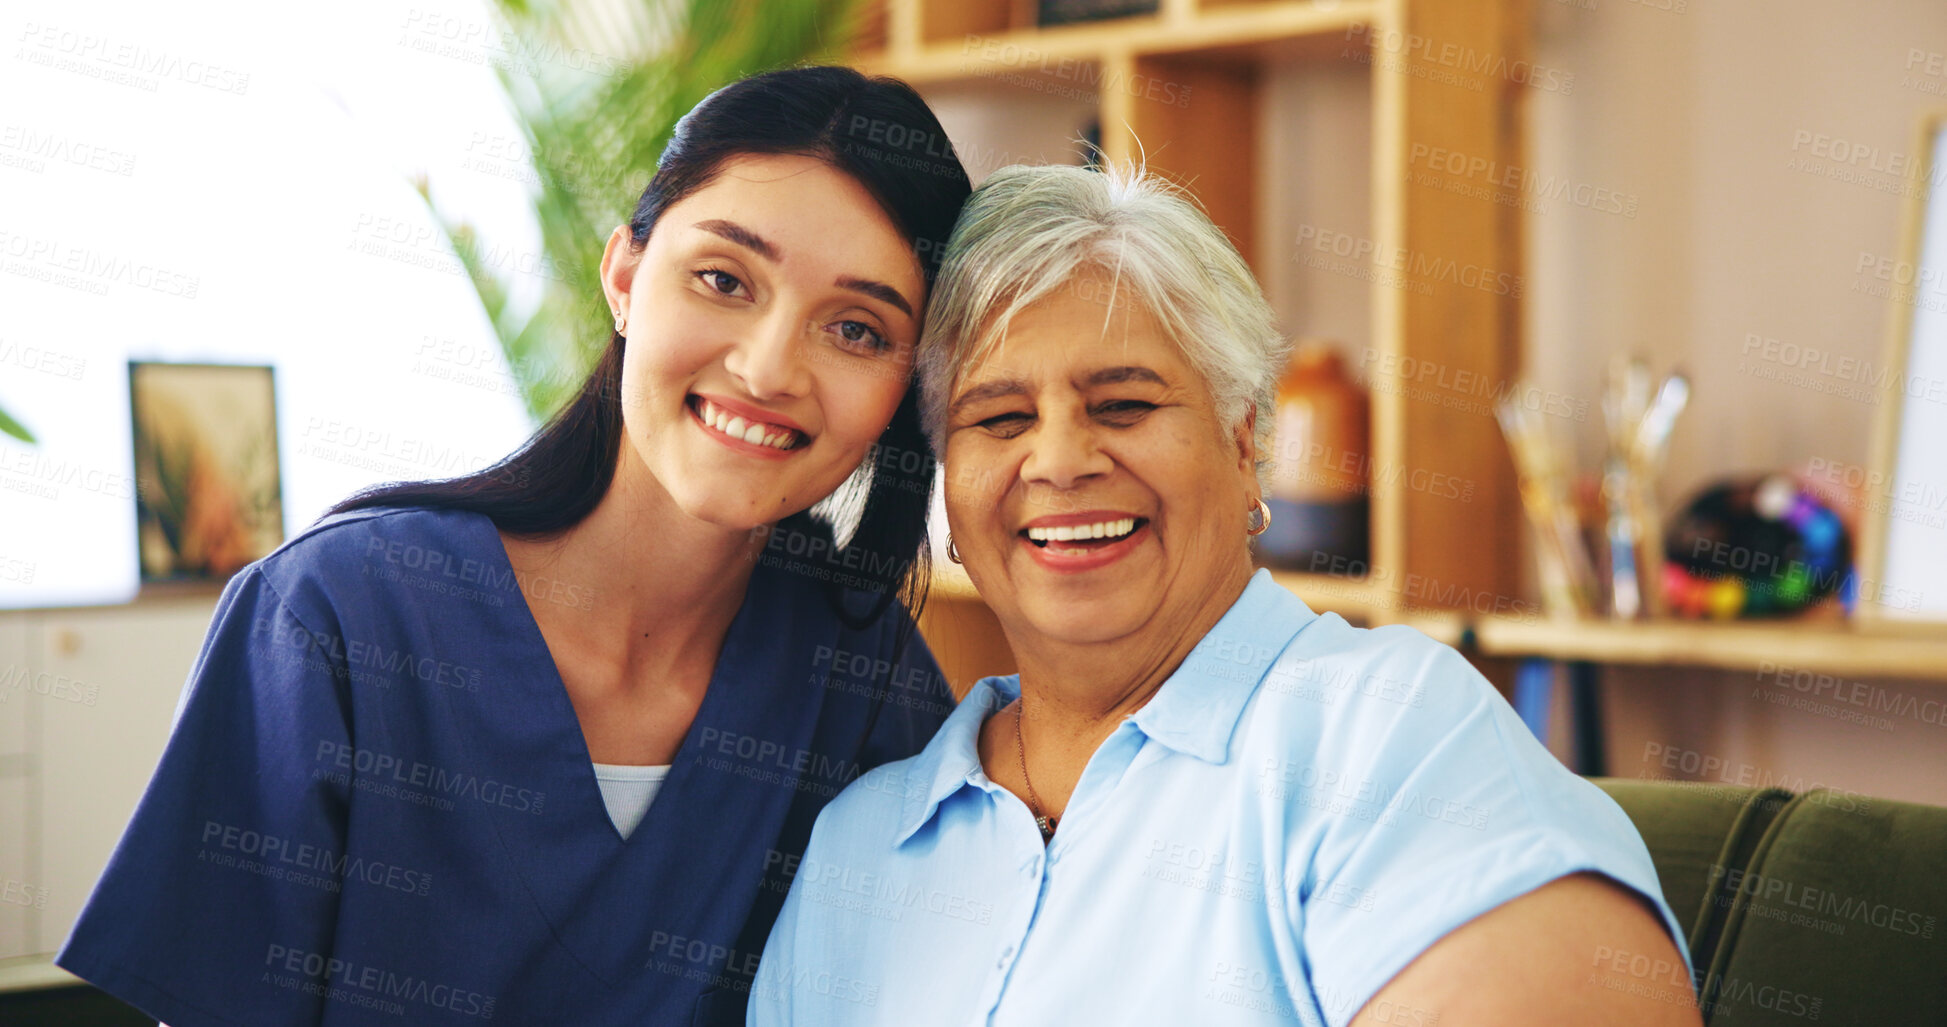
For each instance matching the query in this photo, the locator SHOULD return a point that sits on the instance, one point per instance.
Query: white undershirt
(627, 792)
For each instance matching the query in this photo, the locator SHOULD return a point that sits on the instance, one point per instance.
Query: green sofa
(1824, 907)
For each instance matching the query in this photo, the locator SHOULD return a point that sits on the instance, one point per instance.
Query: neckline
(588, 782)
(573, 864)
(631, 771)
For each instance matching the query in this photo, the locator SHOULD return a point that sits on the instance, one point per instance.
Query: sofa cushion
(1837, 918)
(1697, 835)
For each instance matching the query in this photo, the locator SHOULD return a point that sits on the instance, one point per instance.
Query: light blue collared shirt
(1302, 809)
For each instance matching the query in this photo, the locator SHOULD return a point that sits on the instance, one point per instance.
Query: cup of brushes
(1639, 414)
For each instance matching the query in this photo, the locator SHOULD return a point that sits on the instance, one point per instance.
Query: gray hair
(1030, 230)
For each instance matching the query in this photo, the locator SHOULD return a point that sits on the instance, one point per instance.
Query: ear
(1246, 439)
(619, 262)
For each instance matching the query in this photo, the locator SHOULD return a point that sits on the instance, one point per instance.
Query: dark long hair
(882, 134)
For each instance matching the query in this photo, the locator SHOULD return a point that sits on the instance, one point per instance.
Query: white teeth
(1071, 533)
(757, 433)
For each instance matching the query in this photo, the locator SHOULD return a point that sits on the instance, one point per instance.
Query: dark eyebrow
(877, 290)
(1118, 375)
(743, 237)
(991, 390)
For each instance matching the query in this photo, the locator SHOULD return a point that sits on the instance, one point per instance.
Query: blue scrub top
(1302, 809)
(377, 806)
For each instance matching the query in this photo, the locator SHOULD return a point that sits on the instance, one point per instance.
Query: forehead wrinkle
(1118, 375)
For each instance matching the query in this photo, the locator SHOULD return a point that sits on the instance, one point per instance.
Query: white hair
(1031, 230)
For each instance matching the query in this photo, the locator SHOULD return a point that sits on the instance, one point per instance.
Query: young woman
(411, 779)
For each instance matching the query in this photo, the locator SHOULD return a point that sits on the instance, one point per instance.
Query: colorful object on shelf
(1317, 496)
(1762, 547)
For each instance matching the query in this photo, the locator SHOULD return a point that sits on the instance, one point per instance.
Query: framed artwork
(1903, 535)
(208, 496)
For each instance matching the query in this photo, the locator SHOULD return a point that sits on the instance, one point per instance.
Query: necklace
(1041, 820)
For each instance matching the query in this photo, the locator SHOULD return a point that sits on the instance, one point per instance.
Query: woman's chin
(731, 515)
(1089, 621)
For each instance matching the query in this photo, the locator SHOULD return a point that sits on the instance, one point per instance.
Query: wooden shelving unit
(1422, 548)
(1189, 91)
(1821, 646)
(927, 42)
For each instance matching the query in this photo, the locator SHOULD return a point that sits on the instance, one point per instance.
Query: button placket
(1032, 864)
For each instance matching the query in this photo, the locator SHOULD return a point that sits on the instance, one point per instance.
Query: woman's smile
(747, 430)
(1085, 541)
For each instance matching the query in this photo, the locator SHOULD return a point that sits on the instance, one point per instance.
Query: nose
(1063, 453)
(770, 363)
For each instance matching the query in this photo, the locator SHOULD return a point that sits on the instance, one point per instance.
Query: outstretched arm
(1581, 949)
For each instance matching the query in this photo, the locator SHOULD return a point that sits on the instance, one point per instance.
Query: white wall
(226, 182)
(232, 184)
(1711, 118)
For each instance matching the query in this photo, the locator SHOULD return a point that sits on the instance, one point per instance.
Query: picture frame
(1902, 554)
(208, 487)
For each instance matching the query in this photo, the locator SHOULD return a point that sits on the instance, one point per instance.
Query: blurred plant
(596, 91)
(15, 428)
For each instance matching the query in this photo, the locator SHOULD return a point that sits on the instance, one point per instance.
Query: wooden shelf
(1819, 646)
(1829, 645)
(977, 54)
(1222, 97)
(1834, 647)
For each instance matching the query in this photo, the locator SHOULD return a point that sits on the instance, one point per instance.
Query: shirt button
(1006, 954)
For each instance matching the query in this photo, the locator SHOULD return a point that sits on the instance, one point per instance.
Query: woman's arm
(196, 895)
(1581, 950)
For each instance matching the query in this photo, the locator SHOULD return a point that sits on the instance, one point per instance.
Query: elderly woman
(1199, 802)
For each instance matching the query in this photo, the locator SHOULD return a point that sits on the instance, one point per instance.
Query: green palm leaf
(596, 139)
(15, 428)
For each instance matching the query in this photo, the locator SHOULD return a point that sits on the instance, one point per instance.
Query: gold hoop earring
(952, 551)
(1258, 521)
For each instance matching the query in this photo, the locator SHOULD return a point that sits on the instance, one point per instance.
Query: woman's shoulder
(866, 816)
(1364, 694)
(349, 556)
(1397, 713)
(1348, 669)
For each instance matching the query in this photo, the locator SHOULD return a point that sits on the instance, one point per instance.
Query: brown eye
(720, 282)
(1124, 411)
(860, 337)
(1006, 425)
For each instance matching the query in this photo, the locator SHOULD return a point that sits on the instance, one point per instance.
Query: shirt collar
(950, 761)
(1195, 712)
(1197, 709)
